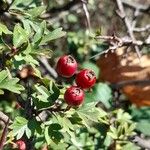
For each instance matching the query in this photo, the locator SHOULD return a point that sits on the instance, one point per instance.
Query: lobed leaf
(10, 84)
(4, 29)
(57, 33)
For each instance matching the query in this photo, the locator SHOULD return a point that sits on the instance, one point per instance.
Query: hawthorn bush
(49, 96)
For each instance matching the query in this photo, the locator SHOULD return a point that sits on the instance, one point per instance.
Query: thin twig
(142, 29)
(117, 42)
(140, 7)
(143, 143)
(122, 14)
(55, 108)
(124, 41)
(4, 134)
(84, 5)
(4, 117)
(47, 66)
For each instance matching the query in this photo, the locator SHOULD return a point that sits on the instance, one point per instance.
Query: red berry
(66, 66)
(21, 145)
(86, 79)
(74, 96)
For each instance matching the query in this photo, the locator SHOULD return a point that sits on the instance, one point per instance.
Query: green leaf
(55, 126)
(34, 126)
(37, 11)
(27, 26)
(22, 126)
(54, 90)
(21, 2)
(43, 93)
(10, 84)
(40, 104)
(57, 33)
(143, 126)
(3, 75)
(59, 146)
(39, 33)
(35, 26)
(25, 58)
(1, 92)
(30, 60)
(107, 141)
(130, 146)
(140, 113)
(42, 52)
(101, 92)
(37, 72)
(123, 117)
(19, 127)
(67, 126)
(141, 117)
(113, 132)
(28, 50)
(3, 45)
(89, 113)
(19, 36)
(75, 119)
(52, 133)
(4, 29)
(28, 133)
(47, 137)
(56, 136)
(46, 95)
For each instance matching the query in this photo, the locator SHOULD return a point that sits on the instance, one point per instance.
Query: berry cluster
(85, 79)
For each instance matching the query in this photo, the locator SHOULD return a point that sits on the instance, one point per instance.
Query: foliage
(9, 83)
(140, 117)
(33, 96)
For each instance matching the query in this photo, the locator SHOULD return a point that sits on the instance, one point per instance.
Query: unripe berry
(66, 66)
(85, 79)
(21, 145)
(74, 96)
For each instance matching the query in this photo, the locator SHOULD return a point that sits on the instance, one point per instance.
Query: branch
(142, 29)
(4, 117)
(56, 107)
(4, 134)
(50, 70)
(131, 4)
(117, 42)
(122, 14)
(144, 143)
(84, 5)
(124, 41)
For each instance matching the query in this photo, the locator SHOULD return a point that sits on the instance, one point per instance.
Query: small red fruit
(85, 79)
(66, 66)
(74, 96)
(21, 145)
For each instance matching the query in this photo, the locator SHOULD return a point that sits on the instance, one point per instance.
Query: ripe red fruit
(85, 79)
(66, 66)
(21, 145)
(74, 96)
